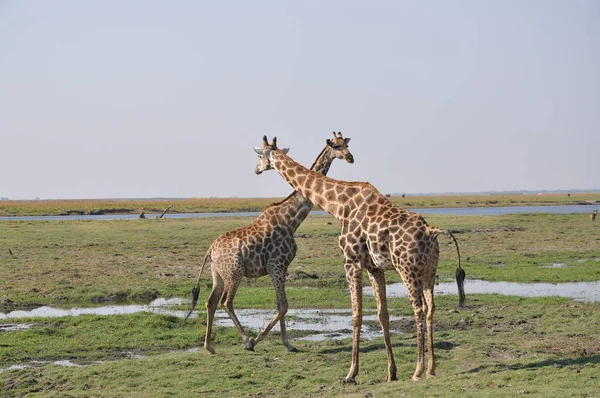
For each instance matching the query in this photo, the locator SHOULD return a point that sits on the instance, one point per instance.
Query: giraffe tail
(196, 289)
(460, 273)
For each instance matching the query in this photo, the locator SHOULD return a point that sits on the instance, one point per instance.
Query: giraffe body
(265, 247)
(376, 236)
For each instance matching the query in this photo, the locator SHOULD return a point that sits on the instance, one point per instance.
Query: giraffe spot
(291, 173)
(346, 212)
(318, 187)
(329, 196)
(352, 191)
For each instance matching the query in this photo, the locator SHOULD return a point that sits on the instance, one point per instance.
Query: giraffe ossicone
(265, 247)
(376, 236)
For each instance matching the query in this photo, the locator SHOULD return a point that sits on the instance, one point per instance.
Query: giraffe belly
(254, 270)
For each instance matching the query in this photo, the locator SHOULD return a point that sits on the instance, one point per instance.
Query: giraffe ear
(260, 151)
(346, 140)
(329, 143)
(285, 150)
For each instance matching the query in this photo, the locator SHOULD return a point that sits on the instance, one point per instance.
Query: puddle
(38, 364)
(323, 324)
(554, 265)
(326, 323)
(579, 291)
(16, 326)
(159, 306)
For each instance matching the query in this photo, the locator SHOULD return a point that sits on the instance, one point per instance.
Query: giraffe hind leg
(211, 307)
(429, 309)
(418, 310)
(227, 302)
(377, 277)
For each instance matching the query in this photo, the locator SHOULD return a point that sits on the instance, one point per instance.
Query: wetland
(506, 342)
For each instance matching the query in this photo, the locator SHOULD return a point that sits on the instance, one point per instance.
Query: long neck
(296, 207)
(322, 191)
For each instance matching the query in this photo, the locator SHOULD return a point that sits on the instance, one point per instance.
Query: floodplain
(499, 345)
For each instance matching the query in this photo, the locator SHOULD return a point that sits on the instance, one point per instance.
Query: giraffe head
(338, 147)
(264, 161)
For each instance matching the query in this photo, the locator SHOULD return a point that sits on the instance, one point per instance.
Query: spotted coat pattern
(265, 247)
(376, 236)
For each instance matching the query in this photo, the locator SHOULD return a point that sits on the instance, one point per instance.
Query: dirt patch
(301, 275)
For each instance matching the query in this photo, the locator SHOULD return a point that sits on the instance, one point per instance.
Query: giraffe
(266, 246)
(376, 236)
(594, 214)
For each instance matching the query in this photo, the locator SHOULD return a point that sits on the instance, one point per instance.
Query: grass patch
(81, 262)
(497, 346)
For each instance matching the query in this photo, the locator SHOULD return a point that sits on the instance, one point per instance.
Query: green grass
(498, 346)
(138, 260)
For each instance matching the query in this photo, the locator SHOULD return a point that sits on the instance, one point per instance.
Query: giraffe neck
(296, 207)
(329, 194)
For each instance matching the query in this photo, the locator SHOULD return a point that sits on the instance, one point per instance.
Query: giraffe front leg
(211, 307)
(354, 279)
(377, 277)
(282, 307)
(227, 302)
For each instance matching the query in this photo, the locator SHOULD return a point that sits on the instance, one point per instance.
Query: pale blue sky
(104, 99)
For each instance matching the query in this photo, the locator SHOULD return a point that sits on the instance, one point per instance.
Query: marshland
(500, 344)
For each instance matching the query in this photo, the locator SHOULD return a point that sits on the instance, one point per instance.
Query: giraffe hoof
(392, 378)
(293, 349)
(430, 374)
(347, 380)
(416, 378)
(249, 346)
(210, 350)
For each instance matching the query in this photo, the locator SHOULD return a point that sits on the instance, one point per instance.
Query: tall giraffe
(267, 246)
(377, 236)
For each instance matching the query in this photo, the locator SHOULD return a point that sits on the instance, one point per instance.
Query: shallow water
(579, 291)
(327, 323)
(476, 211)
(324, 323)
(160, 306)
(36, 364)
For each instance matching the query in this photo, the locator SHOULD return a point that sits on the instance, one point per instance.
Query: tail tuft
(195, 294)
(460, 281)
